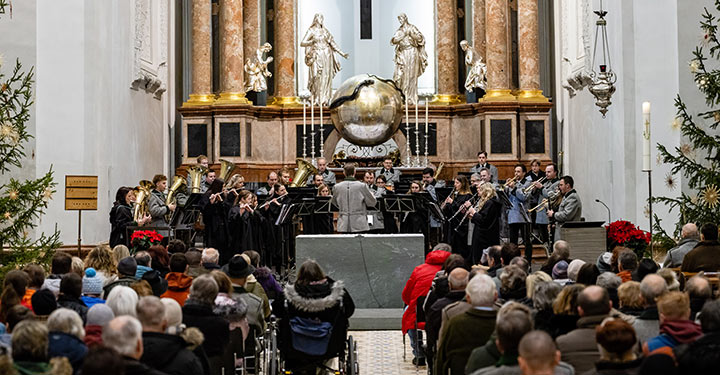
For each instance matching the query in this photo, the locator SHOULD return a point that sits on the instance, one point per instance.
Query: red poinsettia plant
(143, 239)
(625, 233)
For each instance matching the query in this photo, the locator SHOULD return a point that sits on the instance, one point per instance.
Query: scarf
(683, 331)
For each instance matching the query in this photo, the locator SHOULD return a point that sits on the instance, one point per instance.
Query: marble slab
(374, 267)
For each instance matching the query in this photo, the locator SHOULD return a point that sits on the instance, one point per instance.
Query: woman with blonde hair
(565, 310)
(120, 252)
(102, 259)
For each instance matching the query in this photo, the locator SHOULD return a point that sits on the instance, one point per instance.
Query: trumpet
(543, 205)
(514, 179)
(531, 187)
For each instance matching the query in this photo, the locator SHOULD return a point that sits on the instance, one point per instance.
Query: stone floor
(381, 352)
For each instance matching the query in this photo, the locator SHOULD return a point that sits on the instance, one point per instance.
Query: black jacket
(120, 218)
(433, 315)
(169, 353)
(135, 367)
(486, 231)
(701, 356)
(74, 304)
(215, 329)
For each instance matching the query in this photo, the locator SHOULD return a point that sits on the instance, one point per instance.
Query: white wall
(605, 155)
(374, 56)
(89, 121)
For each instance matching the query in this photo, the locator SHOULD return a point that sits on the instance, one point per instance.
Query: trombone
(531, 187)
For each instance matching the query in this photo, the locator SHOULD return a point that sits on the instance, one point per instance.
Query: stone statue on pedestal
(320, 49)
(476, 69)
(256, 68)
(410, 58)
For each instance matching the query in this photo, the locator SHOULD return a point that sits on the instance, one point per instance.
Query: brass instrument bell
(178, 183)
(226, 168)
(196, 172)
(304, 171)
(142, 198)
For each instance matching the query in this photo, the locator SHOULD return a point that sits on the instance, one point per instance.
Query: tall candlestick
(407, 132)
(417, 134)
(322, 133)
(427, 133)
(426, 118)
(304, 129)
(312, 128)
(646, 136)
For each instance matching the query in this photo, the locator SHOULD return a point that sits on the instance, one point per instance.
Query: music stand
(323, 205)
(307, 206)
(399, 203)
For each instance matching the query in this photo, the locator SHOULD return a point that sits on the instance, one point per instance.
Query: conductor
(352, 197)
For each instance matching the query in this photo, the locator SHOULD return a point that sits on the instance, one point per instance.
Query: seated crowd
(620, 315)
(155, 312)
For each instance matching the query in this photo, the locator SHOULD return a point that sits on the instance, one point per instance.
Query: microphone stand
(606, 207)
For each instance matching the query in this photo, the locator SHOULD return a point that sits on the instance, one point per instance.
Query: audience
(210, 259)
(559, 273)
(616, 341)
(177, 246)
(675, 326)
(77, 266)
(490, 354)
(561, 251)
(66, 336)
(264, 276)
(579, 347)
(565, 312)
(126, 268)
(194, 261)
(61, 264)
(13, 292)
(253, 287)
(124, 335)
(70, 292)
(178, 282)
(44, 303)
(120, 252)
(457, 281)
(587, 275)
(690, 238)
(573, 269)
(647, 324)
(704, 256)
(418, 286)
(92, 288)
(645, 267)
(198, 312)
(144, 262)
(102, 360)
(37, 279)
(30, 349)
(162, 351)
(630, 298)
(122, 301)
(543, 296)
(237, 271)
(512, 285)
(611, 282)
(494, 260)
(627, 263)
(97, 317)
(537, 354)
(670, 279)
(102, 259)
(699, 290)
(469, 329)
(703, 355)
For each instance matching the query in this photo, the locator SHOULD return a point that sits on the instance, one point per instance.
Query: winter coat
(672, 334)
(253, 287)
(56, 366)
(93, 335)
(460, 336)
(135, 367)
(69, 346)
(255, 315)
(419, 284)
(675, 256)
(121, 216)
(615, 368)
(140, 271)
(701, 356)
(433, 315)
(178, 287)
(265, 277)
(124, 281)
(579, 347)
(169, 354)
(215, 329)
(647, 324)
(91, 301)
(704, 257)
(326, 301)
(74, 304)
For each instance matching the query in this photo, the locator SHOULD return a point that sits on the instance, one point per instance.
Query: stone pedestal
(285, 54)
(231, 53)
(498, 79)
(528, 53)
(447, 45)
(202, 93)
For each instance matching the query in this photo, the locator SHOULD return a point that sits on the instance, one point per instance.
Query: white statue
(320, 49)
(410, 58)
(257, 70)
(476, 69)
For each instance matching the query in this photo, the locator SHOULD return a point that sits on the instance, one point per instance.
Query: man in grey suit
(482, 163)
(391, 174)
(690, 238)
(570, 208)
(352, 198)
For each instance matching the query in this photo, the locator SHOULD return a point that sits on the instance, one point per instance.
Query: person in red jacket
(418, 285)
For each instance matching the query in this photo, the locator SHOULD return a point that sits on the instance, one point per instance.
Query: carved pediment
(150, 45)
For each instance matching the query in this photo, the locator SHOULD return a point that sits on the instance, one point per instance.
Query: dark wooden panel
(365, 19)
(500, 136)
(535, 137)
(229, 139)
(197, 140)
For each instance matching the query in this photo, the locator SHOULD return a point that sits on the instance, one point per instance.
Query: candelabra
(312, 129)
(417, 135)
(322, 133)
(407, 135)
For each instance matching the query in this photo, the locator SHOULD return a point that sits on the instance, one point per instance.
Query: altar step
(376, 319)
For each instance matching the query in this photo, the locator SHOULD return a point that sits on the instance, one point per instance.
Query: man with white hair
(124, 334)
(468, 330)
(167, 353)
(457, 281)
(122, 301)
(328, 177)
(647, 325)
(66, 337)
(690, 238)
(210, 258)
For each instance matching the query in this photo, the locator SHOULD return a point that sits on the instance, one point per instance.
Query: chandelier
(603, 80)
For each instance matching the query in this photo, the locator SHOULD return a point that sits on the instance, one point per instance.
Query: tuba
(178, 183)
(142, 199)
(438, 170)
(196, 172)
(304, 171)
(226, 168)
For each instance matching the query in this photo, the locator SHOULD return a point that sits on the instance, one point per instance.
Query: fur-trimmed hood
(315, 298)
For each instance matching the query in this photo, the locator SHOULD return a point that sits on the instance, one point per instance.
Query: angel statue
(476, 69)
(320, 49)
(410, 58)
(256, 68)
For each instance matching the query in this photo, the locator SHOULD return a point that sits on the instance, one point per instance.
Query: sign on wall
(81, 192)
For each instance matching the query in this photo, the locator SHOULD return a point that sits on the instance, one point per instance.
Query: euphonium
(226, 167)
(304, 171)
(178, 182)
(196, 172)
(142, 198)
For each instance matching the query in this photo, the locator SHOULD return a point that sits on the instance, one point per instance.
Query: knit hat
(127, 266)
(156, 281)
(560, 270)
(574, 268)
(91, 283)
(43, 302)
(99, 315)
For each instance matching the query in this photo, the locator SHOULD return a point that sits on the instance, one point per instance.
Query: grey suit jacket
(158, 209)
(352, 197)
(392, 175)
(570, 210)
(493, 170)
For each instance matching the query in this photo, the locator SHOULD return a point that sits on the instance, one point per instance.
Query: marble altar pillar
(285, 54)
(447, 54)
(202, 93)
(231, 53)
(528, 52)
(251, 27)
(478, 40)
(498, 78)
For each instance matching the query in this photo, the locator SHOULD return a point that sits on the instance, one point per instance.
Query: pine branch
(15, 103)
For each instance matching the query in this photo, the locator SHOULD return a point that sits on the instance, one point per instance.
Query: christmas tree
(697, 159)
(22, 203)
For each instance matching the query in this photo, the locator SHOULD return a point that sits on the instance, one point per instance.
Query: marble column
(498, 80)
(202, 93)
(231, 53)
(285, 54)
(251, 27)
(479, 27)
(528, 52)
(447, 54)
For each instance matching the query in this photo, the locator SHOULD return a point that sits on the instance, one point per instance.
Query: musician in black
(215, 216)
(430, 184)
(323, 222)
(121, 216)
(485, 219)
(278, 235)
(455, 209)
(389, 220)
